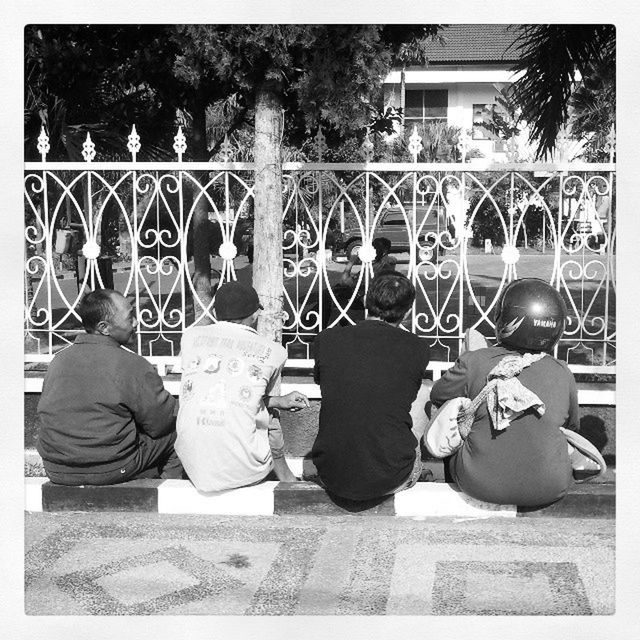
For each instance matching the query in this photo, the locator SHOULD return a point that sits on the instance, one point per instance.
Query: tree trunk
(199, 226)
(268, 264)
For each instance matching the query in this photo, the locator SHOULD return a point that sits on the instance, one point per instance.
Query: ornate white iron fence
(459, 231)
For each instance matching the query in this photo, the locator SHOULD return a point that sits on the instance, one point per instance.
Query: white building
(459, 81)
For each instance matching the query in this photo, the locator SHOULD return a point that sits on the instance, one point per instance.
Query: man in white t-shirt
(225, 436)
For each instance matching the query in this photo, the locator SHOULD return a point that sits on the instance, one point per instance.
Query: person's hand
(293, 401)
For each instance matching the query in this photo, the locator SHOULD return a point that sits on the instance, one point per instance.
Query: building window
(481, 115)
(425, 106)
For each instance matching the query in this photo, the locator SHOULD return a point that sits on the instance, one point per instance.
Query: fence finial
(415, 144)
(43, 143)
(133, 143)
(321, 143)
(513, 152)
(179, 143)
(464, 144)
(610, 145)
(88, 149)
(226, 149)
(367, 147)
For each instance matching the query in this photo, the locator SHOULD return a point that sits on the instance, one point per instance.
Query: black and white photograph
(318, 322)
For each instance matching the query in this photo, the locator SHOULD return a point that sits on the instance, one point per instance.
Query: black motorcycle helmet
(530, 315)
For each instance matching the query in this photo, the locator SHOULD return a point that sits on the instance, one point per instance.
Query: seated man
(105, 416)
(225, 437)
(517, 440)
(373, 415)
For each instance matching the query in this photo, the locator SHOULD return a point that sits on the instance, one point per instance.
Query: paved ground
(127, 564)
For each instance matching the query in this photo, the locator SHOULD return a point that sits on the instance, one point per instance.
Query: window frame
(426, 119)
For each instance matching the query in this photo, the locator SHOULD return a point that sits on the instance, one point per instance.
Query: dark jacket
(528, 463)
(96, 397)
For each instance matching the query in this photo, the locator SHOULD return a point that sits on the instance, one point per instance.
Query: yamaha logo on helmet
(550, 323)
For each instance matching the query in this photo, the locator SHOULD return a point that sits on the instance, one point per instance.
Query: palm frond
(551, 55)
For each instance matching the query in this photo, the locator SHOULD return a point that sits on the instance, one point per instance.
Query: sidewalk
(144, 564)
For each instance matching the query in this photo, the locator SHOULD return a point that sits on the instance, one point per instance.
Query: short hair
(390, 296)
(96, 306)
(382, 246)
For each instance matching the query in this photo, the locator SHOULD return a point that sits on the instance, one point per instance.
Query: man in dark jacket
(105, 416)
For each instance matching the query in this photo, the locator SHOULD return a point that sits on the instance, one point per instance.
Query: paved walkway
(143, 564)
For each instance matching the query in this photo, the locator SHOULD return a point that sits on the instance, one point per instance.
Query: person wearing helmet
(514, 451)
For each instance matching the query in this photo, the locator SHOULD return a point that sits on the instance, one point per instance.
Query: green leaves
(551, 54)
(110, 77)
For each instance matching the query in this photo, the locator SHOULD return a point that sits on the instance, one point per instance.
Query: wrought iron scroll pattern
(442, 213)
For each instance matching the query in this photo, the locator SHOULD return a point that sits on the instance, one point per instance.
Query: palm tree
(551, 56)
(593, 110)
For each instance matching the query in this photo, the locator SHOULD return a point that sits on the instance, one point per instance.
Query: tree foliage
(98, 79)
(103, 78)
(550, 57)
(503, 117)
(325, 74)
(593, 109)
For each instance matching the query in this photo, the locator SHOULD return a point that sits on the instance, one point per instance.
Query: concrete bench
(425, 500)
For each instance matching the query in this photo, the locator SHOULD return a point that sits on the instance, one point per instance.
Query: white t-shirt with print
(222, 422)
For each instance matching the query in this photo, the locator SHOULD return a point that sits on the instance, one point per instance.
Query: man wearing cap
(225, 436)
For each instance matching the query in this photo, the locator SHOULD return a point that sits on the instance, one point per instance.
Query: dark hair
(382, 246)
(390, 296)
(96, 306)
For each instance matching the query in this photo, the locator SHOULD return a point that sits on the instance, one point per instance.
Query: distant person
(345, 288)
(105, 416)
(516, 440)
(225, 436)
(331, 238)
(383, 261)
(373, 414)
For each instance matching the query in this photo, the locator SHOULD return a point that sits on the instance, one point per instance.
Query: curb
(424, 500)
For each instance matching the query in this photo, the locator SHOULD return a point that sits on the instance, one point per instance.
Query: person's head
(108, 313)
(530, 315)
(236, 302)
(390, 296)
(382, 247)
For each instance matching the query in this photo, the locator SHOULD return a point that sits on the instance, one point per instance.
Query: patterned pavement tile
(141, 585)
(130, 571)
(371, 565)
(331, 572)
(499, 580)
(503, 588)
(99, 564)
